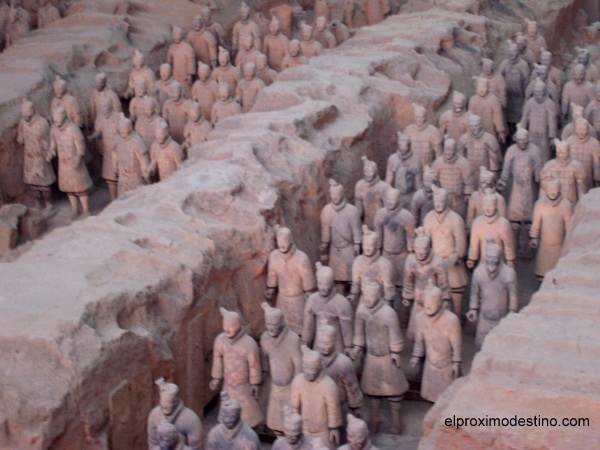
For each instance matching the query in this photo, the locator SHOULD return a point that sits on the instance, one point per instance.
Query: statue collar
(329, 360)
(232, 434)
(237, 337)
(490, 220)
(440, 217)
(172, 418)
(339, 207)
(556, 201)
(375, 308)
(289, 255)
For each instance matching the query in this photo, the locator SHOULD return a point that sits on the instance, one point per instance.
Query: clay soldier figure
(541, 73)
(454, 174)
(315, 397)
(68, 144)
(375, 10)
(245, 26)
(446, 229)
(491, 225)
(328, 307)
(182, 58)
(236, 363)
(292, 438)
(215, 28)
(578, 91)
(454, 122)
(567, 170)
(23, 14)
(425, 139)
(249, 87)
(372, 267)
(516, 75)
(569, 129)
(339, 30)
(592, 110)
(294, 58)
(175, 112)
(322, 8)
(341, 234)
(166, 155)
(136, 105)
(247, 52)
(233, 433)
(369, 192)
(107, 129)
(551, 216)
(592, 74)
(102, 91)
(226, 72)
(322, 34)
(308, 46)
(586, 150)
(539, 117)
(203, 42)
(34, 135)
(163, 86)
(404, 170)
(438, 340)
(282, 360)
(358, 435)
(131, 158)
(494, 292)
(168, 438)
(525, 52)
(16, 28)
(554, 74)
(264, 72)
(47, 14)
(422, 266)
(395, 228)
(535, 41)
(480, 148)
(422, 201)
(523, 162)
(172, 410)
(67, 101)
(378, 337)
(275, 45)
(225, 106)
(487, 106)
(140, 71)
(205, 90)
(290, 273)
(196, 129)
(147, 122)
(487, 185)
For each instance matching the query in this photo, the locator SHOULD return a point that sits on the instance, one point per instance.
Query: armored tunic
(146, 127)
(224, 109)
(182, 58)
(420, 205)
(247, 91)
(540, 120)
(571, 175)
(245, 27)
(456, 177)
(166, 158)
(481, 150)
(246, 56)
(176, 115)
(96, 100)
(206, 93)
(476, 206)
(368, 198)
(497, 86)
(163, 92)
(453, 124)
(108, 129)
(516, 76)
(35, 138)
(334, 310)
(132, 161)
(227, 74)
(68, 144)
(490, 111)
(341, 370)
(425, 142)
(495, 227)
(185, 420)
(580, 94)
(242, 437)
(376, 268)
(196, 132)
(275, 47)
(204, 44)
(146, 74)
(587, 152)
(405, 173)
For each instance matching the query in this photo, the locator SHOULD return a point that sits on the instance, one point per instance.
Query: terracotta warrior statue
(516, 72)
(425, 139)
(315, 397)
(247, 53)
(166, 155)
(341, 234)
(182, 59)
(47, 14)
(215, 28)
(147, 122)
(322, 35)
(525, 52)
(539, 117)
(369, 192)
(568, 171)
(308, 46)
(569, 129)
(16, 27)
(480, 148)
(358, 435)
(541, 73)
(68, 145)
(233, 433)
(205, 91)
(245, 26)
(168, 438)
(586, 150)
(275, 45)
(203, 42)
(340, 31)
(404, 170)
(226, 72)
(293, 438)
(67, 101)
(264, 72)
(282, 361)
(294, 58)
(100, 93)
(487, 185)
(438, 340)
(175, 112)
(107, 129)
(132, 158)
(446, 229)
(577, 91)
(163, 85)
(377, 337)
(225, 106)
(592, 110)
(535, 41)
(556, 75)
(551, 216)
(249, 87)
(290, 274)
(34, 135)
(422, 201)
(494, 292)
(172, 410)
(395, 228)
(496, 83)
(592, 74)
(374, 10)
(455, 122)
(328, 307)
(487, 106)
(140, 71)
(136, 104)
(196, 129)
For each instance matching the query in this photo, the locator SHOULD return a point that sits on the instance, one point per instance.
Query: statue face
(274, 28)
(162, 134)
(294, 49)
(284, 242)
(311, 370)
(583, 58)
(475, 126)
(422, 251)
(581, 130)
(546, 59)
(522, 141)
(432, 303)
(370, 172)
(324, 286)
(231, 327)
(196, 114)
(223, 93)
(244, 13)
(205, 14)
(248, 42)
(261, 61)
(204, 73)
(165, 72)
(458, 105)
(60, 89)
(149, 109)
(553, 190)
(124, 128)
(138, 62)
(440, 203)
(578, 75)
(482, 89)
(326, 344)
(197, 23)
(59, 116)
(223, 58)
(27, 112)
(532, 29)
(392, 199)
(492, 262)
(562, 153)
(306, 33)
(513, 52)
(140, 89)
(249, 71)
(403, 147)
(449, 150)
(230, 417)
(292, 434)
(100, 83)
(357, 439)
(177, 36)
(420, 118)
(539, 93)
(337, 195)
(428, 183)
(175, 93)
(490, 205)
(369, 247)
(167, 403)
(274, 325)
(371, 298)
(321, 24)
(486, 181)
(488, 68)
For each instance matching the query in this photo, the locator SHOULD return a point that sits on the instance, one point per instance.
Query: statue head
(369, 169)
(391, 199)
(140, 88)
(244, 11)
(100, 81)
(371, 294)
(493, 256)
(167, 435)
(539, 90)
(274, 321)
(165, 71)
(261, 61)
(487, 66)
(450, 150)
(203, 71)
(432, 299)
(177, 35)
(312, 365)
(247, 41)
(292, 425)
(150, 106)
(175, 91)
(205, 13)
(232, 322)
(563, 150)
(162, 132)
(459, 102)
(428, 179)
(482, 86)
(231, 411)
(490, 204)
(487, 179)
(249, 71)
(522, 137)
(59, 116)
(306, 32)
(420, 115)
(285, 241)
(475, 124)
(195, 112)
(60, 87)
(138, 60)
(224, 92)
(325, 281)
(440, 199)
(321, 24)
(27, 110)
(546, 58)
(532, 28)
(336, 192)
(579, 73)
(358, 433)
(513, 51)
(521, 42)
(370, 242)
(582, 128)
(198, 23)
(583, 56)
(274, 26)
(124, 127)
(168, 399)
(326, 340)
(224, 57)
(294, 48)
(553, 188)
(422, 245)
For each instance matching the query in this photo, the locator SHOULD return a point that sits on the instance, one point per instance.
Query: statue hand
(214, 384)
(470, 264)
(269, 293)
(334, 436)
(415, 361)
(348, 352)
(396, 359)
(502, 138)
(323, 247)
(255, 391)
(534, 243)
(500, 185)
(406, 302)
(472, 315)
(356, 249)
(352, 298)
(455, 370)
(356, 412)
(356, 353)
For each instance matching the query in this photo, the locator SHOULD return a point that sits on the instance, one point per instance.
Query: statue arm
(513, 293)
(217, 362)
(325, 226)
(254, 365)
(475, 300)
(389, 172)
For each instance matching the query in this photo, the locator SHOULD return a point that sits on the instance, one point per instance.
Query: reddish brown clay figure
(569, 129)
(226, 72)
(16, 27)
(264, 72)
(249, 87)
(163, 85)
(322, 34)
(315, 397)
(282, 361)
(480, 148)
(491, 225)
(494, 292)
(34, 135)
(395, 228)
(196, 129)
(341, 234)
(540, 73)
(233, 433)
(205, 90)
(294, 58)
(225, 106)
(247, 52)
(140, 71)
(377, 337)
(577, 91)
(284, 13)
(487, 106)
(100, 93)
(322, 8)
(215, 28)
(592, 74)
(369, 192)
(446, 229)
(166, 155)
(535, 41)
(107, 129)
(67, 101)
(328, 307)
(555, 75)
(131, 158)
(308, 46)
(172, 410)
(592, 110)
(47, 14)
(203, 42)
(146, 123)
(454, 122)
(182, 58)
(422, 201)
(136, 105)
(340, 31)
(275, 45)
(425, 139)
(525, 52)
(236, 363)
(453, 172)
(551, 217)
(586, 150)
(404, 170)
(290, 274)
(175, 111)
(374, 10)
(438, 340)
(68, 145)
(245, 26)
(168, 438)
(293, 438)
(358, 435)
(516, 72)
(487, 185)
(567, 170)
(539, 117)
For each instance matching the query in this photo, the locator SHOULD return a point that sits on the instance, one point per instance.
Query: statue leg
(47, 198)
(375, 413)
(85, 204)
(74, 205)
(112, 189)
(396, 408)
(457, 298)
